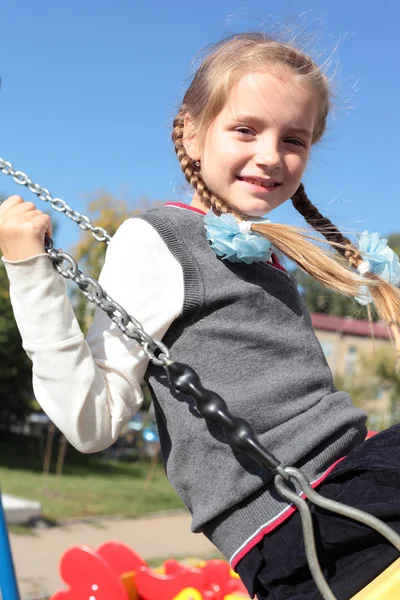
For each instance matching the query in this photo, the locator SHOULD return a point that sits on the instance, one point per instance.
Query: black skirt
(350, 554)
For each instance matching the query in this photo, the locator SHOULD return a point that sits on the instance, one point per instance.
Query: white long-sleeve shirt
(91, 388)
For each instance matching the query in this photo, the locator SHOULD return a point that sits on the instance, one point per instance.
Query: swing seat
(384, 587)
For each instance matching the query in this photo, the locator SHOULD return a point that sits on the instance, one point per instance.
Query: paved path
(37, 556)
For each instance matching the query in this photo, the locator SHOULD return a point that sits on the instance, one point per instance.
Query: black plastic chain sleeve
(214, 409)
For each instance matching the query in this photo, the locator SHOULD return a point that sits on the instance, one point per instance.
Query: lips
(265, 183)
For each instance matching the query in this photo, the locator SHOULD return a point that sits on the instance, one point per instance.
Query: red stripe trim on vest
(185, 207)
(276, 263)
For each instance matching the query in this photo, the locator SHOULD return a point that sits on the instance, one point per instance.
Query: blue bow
(381, 259)
(230, 243)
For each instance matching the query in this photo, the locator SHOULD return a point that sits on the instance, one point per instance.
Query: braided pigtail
(311, 214)
(386, 297)
(192, 172)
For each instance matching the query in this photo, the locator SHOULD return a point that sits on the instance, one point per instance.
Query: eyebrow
(305, 132)
(259, 121)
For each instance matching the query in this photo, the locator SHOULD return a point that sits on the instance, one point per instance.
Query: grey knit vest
(245, 330)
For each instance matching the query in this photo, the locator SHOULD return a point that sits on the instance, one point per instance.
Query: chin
(255, 209)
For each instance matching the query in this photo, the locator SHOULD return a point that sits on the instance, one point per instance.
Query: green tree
(394, 242)
(359, 389)
(384, 372)
(377, 374)
(15, 367)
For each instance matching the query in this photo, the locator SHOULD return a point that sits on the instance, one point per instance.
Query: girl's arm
(91, 388)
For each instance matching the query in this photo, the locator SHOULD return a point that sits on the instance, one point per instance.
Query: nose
(268, 154)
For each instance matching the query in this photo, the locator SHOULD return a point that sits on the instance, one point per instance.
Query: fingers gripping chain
(57, 204)
(214, 409)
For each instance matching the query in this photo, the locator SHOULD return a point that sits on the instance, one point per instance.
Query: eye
(295, 142)
(244, 130)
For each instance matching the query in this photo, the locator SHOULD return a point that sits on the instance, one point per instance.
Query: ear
(190, 140)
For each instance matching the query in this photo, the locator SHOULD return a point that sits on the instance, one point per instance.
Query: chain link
(67, 266)
(59, 205)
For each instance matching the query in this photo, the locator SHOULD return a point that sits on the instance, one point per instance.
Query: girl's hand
(22, 229)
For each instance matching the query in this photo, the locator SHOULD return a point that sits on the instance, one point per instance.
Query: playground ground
(155, 538)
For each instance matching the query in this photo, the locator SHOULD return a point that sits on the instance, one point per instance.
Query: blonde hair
(228, 61)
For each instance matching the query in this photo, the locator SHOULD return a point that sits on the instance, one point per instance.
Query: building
(345, 341)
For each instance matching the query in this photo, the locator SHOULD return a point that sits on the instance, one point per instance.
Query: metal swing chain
(99, 234)
(93, 292)
(67, 266)
(183, 378)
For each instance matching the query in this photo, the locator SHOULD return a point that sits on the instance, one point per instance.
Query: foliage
(381, 366)
(394, 242)
(377, 374)
(15, 367)
(359, 390)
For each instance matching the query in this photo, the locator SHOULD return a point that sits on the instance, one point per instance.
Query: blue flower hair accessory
(379, 259)
(235, 241)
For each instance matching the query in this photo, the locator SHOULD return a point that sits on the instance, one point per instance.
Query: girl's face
(256, 149)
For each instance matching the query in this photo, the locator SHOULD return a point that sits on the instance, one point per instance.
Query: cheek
(297, 164)
(221, 149)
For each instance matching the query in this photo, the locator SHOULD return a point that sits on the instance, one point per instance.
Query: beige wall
(339, 349)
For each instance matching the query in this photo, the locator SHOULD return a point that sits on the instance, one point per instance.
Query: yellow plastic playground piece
(384, 587)
(233, 574)
(189, 594)
(128, 579)
(192, 594)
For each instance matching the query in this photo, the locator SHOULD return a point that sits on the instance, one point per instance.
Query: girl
(212, 288)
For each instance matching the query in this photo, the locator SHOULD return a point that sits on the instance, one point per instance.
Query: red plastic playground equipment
(115, 572)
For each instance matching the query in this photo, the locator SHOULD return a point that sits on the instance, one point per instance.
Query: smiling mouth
(269, 185)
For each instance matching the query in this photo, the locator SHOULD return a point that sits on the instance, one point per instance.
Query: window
(327, 349)
(350, 360)
(378, 395)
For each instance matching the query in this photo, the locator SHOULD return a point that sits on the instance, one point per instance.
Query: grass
(91, 485)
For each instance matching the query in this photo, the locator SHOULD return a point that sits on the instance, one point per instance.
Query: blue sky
(90, 89)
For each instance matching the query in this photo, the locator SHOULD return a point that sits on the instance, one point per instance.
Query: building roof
(349, 326)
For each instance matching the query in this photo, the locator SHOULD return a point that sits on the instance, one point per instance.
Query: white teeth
(262, 183)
